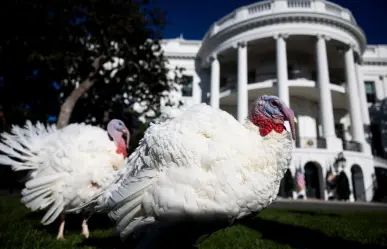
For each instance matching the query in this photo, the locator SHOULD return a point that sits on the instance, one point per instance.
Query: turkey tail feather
(21, 145)
(39, 194)
(125, 203)
(55, 210)
(21, 149)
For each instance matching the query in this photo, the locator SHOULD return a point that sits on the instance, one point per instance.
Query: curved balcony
(298, 88)
(311, 143)
(352, 146)
(267, 19)
(271, 7)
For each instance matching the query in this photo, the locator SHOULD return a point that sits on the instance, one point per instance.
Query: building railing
(279, 6)
(311, 143)
(231, 83)
(227, 86)
(352, 146)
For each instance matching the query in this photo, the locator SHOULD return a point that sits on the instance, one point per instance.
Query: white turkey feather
(201, 164)
(63, 164)
(168, 113)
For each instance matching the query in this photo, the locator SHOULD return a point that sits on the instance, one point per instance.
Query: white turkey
(202, 165)
(66, 166)
(167, 113)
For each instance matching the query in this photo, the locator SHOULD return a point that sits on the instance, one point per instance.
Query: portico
(353, 87)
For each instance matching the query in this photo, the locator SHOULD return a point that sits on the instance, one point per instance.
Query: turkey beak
(127, 135)
(289, 114)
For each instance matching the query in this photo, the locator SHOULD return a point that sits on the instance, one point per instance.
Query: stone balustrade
(273, 7)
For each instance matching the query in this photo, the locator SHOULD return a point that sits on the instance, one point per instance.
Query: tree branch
(68, 105)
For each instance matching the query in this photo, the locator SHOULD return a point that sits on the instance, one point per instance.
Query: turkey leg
(61, 227)
(85, 228)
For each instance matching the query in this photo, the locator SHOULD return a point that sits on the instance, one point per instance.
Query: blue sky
(192, 18)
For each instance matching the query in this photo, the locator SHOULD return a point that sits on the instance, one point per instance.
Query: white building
(314, 56)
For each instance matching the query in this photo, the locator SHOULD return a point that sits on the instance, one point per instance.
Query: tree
(103, 57)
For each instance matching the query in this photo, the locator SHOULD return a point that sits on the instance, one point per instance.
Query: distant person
(343, 190)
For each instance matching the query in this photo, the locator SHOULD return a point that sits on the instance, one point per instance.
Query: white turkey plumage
(202, 164)
(66, 166)
(168, 113)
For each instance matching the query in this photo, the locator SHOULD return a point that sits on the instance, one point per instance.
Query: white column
(353, 95)
(384, 82)
(196, 90)
(242, 93)
(379, 89)
(362, 94)
(282, 68)
(326, 108)
(215, 82)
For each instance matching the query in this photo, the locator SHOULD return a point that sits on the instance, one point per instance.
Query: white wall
(181, 53)
(377, 72)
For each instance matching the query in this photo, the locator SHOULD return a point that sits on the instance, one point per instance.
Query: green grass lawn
(272, 228)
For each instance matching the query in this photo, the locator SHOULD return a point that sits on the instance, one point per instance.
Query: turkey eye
(275, 103)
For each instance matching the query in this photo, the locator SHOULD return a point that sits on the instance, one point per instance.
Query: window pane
(369, 87)
(370, 91)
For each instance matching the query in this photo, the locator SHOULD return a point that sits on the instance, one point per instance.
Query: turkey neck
(278, 145)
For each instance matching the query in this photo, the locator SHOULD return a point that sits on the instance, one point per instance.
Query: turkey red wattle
(121, 149)
(266, 125)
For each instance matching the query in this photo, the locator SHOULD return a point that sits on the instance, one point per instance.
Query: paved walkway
(327, 205)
